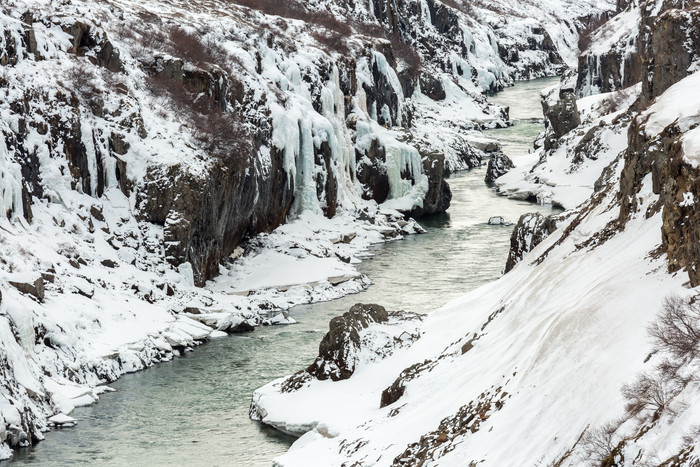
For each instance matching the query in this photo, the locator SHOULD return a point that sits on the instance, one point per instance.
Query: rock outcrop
(499, 164)
(337, 352)
(529, 232)
(673, 45)
(560, 118)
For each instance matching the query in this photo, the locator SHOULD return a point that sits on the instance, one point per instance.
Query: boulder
(499, 164)
(337, 352)
(35, 288)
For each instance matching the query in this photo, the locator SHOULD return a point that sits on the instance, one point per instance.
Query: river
(194, 409)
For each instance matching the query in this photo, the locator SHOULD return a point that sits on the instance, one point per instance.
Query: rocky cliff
(586, 351)
(152, 156)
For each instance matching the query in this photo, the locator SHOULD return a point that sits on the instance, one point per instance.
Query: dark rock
(49, 276)
(326, 183)
(124, 184)
(560, 118)
(244, 326)
(118, 144)
(205, 218)
(499, 164)
(96, 212)
(371, 173)
(439, 195)
(397, 389)
(35, 288)
(108, 263)
(108, 57)
(673, 45)
(337, 359)
(610, 71)
(529, 232)
(79, 33)
(382, 93)
(432, 87)
(193, 310)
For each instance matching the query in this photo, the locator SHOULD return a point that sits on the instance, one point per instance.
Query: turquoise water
(194, 409)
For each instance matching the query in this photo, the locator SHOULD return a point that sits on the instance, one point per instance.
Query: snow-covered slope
(173, 170)
(586, 352)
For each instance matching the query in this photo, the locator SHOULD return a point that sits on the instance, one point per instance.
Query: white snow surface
(554, 176)
(542, 352)
(97, 322)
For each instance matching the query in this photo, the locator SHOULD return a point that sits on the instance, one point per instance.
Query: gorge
(175, 172)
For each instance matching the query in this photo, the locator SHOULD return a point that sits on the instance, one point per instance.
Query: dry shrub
(649, 392)
(332, 41)
(598, 443)
(221, 133)
(296, 10)
(82, 79)
(461, 6)
(407, 54)
(190, 47)
(677, 329)
(613, 102)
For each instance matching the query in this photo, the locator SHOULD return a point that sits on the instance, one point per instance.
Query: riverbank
(419, 273)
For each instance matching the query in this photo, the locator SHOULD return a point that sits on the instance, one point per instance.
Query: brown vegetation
(677, 329)
(221, 133)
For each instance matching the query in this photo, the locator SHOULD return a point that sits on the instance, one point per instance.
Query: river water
(194, 409)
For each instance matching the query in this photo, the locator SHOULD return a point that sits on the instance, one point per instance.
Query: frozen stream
(194, 409)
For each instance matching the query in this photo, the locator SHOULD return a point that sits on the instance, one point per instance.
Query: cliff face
(586, 351)
(147, 149)
(270, 125)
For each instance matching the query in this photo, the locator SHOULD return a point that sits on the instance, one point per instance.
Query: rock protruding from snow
(337, 351)
(28, 286)
(499, 164)
(529, 232)
(560, 118)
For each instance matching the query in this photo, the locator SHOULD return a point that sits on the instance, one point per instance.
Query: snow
(97, 323)
(553, 176)
(540, 327)
(535, 347)
(676, 106)
(61, 419)
(548, 345)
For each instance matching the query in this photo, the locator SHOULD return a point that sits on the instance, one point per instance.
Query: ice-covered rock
(62, 420)
(498, 220)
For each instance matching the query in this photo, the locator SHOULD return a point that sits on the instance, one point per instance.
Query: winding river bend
(194, 409)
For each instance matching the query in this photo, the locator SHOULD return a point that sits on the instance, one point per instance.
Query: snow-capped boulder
(337, 352)
(499, 164)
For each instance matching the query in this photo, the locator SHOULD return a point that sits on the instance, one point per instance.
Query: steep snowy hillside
(586, 351)
(170, 170)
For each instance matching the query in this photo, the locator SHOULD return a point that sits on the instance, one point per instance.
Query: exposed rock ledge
(366, 333)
